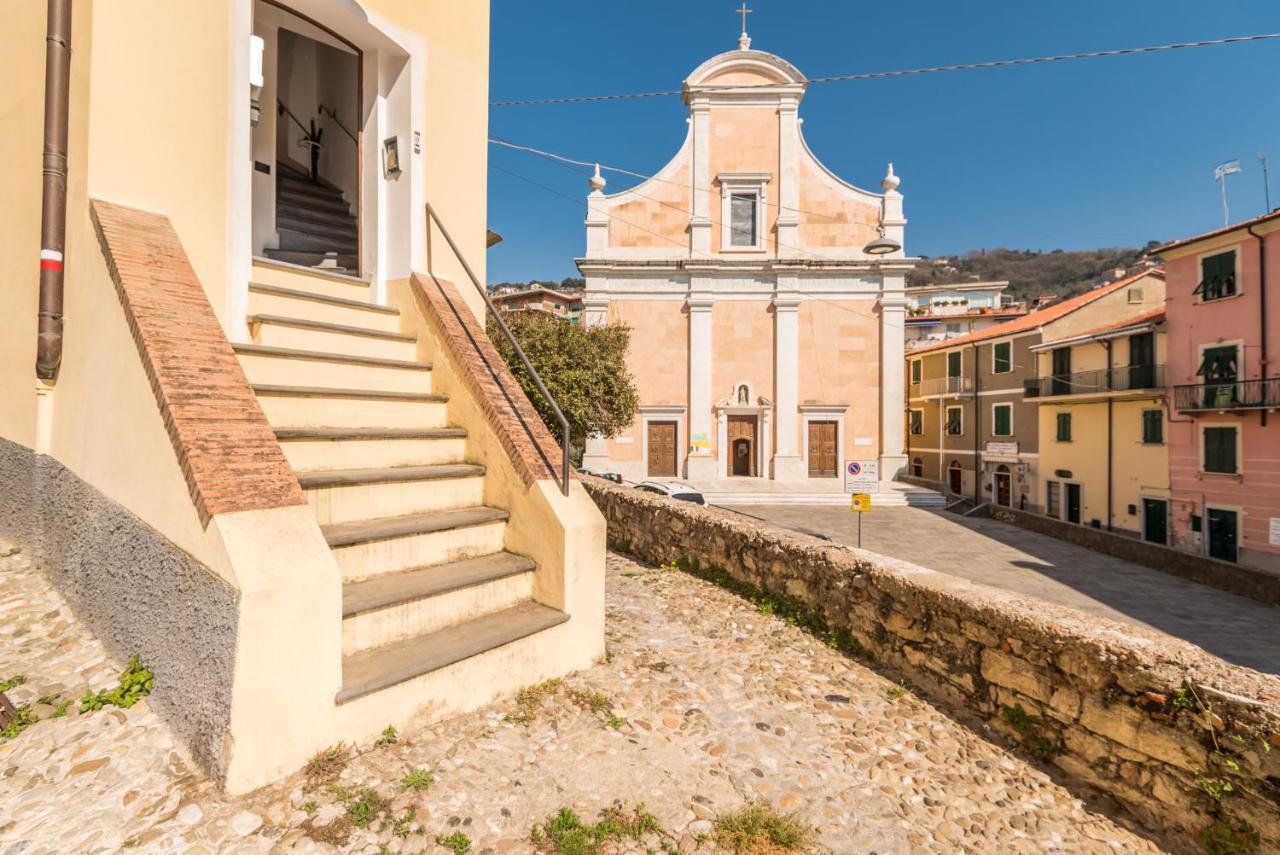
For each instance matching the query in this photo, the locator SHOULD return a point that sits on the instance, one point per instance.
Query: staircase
(427, 580)
(892, 494)
(314, 222)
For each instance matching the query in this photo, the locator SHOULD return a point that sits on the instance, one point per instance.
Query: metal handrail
(511, 339)
(285, 107)
(323, 110)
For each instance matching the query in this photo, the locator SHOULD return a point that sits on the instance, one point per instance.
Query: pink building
(1224, 433)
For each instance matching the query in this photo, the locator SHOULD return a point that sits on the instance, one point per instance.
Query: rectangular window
(955, 425)
(1002, 420)
(1153, 427)
(953, 364)
(915, 372)
(1064, 427)
(917, 422)
(1217, 276)
(1002, 358)
(1053, 499)
(742, 219)
(1220, 450)
(1061, 382)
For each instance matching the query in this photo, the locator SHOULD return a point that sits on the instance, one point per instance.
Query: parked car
(608, 476)
(673, 490)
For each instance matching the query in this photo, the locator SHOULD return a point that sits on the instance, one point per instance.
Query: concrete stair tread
(338, 434)
(346, 302)
(328, 392)
(295, 353)
(325, 326)
(420, 583)
(308, 259)
(293, 240)
(386, 475)
(366, 531)
(371, 670)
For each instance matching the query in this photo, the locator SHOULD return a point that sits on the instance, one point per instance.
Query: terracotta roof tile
(1243, 224)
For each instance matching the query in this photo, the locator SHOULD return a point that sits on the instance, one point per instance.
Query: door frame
(1232, 509)
(1142, 517)
(1066, 501)
(995, 484)
(663, 413)
(756, 458)
(824, 413)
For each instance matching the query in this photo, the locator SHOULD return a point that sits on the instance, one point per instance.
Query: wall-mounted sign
(862, 476)
(699, 442)
(1062, 473)
(390, 157)
(1003, 449)
(1273, 532)
(417, 142)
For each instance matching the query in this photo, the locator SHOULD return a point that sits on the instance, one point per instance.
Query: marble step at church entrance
(427, 579)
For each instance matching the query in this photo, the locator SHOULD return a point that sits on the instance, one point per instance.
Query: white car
(672, 490)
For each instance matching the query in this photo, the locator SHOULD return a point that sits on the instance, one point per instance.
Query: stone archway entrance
(1003, 486)
(742, 445)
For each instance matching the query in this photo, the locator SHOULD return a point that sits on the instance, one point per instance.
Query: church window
(743, 214)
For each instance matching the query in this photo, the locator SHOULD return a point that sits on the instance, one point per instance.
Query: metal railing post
(511, 339)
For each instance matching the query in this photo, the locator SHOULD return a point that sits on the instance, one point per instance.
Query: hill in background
(1030, 274)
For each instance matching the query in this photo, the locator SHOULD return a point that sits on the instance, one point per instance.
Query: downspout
(53, 214)
(1262, 310)
(1106, 343)
(977, 427)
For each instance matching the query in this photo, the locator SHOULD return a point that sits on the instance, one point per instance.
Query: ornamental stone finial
(744, 42)
(890, 181)
(597, 182)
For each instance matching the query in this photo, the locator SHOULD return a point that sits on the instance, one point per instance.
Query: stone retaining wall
(1156, 722)
(1224, 575)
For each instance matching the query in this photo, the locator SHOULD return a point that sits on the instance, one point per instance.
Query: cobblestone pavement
(704, 704)
(1240, 630)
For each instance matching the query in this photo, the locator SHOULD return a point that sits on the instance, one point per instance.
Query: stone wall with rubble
(1157, 723)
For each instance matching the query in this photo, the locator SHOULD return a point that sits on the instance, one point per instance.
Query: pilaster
(893, 312)
(788, 462)
(700, 176)
(595, 306)
(701, 464)
(788, 216)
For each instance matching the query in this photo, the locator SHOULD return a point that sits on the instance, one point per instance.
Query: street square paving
(1240, 630)
(715, 704)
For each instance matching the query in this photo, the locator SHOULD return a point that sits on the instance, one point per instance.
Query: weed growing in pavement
(567, 834)
(135, 684)
(22, 719)
(13, 682)
(417, 780)
(388, 738)
(759, 829)
(599, 704)
(529, 699)
(457, 843)
(325, 766)
(366, 807)
(895, 692)
(309, 807)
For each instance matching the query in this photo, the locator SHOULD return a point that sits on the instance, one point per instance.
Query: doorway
(662, 449)
(1155, 521)
(1003, 479)
(1073, 503)
(955, 478)
(742, 446)
(1223, 534)
(823, 459)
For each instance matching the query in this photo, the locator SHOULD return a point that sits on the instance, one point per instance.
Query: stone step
(317, 225)
(293, 240)
(347, 261)
(382, 667)
(306, 407)
(361, 495)
(290, 199)
(354, 310)
(375, 547)
(306, 334)
(313, 449)
(302, 211)
(290, 366)
(394, 607)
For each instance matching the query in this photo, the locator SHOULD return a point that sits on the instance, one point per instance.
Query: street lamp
(882, 245)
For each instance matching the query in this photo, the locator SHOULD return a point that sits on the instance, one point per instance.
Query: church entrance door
(742, 445)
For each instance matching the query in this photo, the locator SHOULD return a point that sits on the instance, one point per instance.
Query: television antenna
(1266, 182)
(1220, 173)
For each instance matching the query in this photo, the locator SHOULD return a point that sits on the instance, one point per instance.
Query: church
(765, 295)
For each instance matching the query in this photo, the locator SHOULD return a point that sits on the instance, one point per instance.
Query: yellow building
(261, 439)
(1103, 422)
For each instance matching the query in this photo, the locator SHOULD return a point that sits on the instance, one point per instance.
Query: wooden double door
(662, 449)
(824, 454)
(743, 445)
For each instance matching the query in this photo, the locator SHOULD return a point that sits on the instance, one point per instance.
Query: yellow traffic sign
(860, 502)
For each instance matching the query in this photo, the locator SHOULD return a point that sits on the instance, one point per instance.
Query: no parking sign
(862, 476)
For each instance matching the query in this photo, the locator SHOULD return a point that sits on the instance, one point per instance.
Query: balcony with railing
(947, 386)
(1102, 381)
(1261, 394)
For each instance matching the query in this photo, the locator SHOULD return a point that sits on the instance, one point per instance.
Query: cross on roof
(744, 12)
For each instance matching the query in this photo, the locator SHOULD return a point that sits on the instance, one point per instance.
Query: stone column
(700, 178)
(595, 305)
(893, 313)
(788, 462)
(701, 465)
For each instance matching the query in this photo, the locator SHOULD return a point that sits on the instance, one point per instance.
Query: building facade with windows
(940, 312)
(767, 340)
(1103, 423)
(972, 427)
(567, 306)
(1224, 436)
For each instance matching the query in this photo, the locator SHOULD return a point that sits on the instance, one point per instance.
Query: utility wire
(881, 75)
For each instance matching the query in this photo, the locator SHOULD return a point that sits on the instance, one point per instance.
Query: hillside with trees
(1030, 274)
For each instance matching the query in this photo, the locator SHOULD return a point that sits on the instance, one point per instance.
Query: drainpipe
(1106, 343)
(53, 215)
(1262, 310)
(977, 426)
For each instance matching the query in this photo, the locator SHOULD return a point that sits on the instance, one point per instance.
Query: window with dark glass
(915, 372)
(1220, 368)
(1002, 418)
(742, 219)
(1061, 382)
(1153, 426)
(1002, 355)
(953, 364)
(1217, 276)
(917, 422)
(1220, 450)
(954, 428)
(1064, 427)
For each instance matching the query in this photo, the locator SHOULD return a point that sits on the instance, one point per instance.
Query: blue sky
(1100, 152)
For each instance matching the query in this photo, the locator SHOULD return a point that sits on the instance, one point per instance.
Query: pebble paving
(702, 705)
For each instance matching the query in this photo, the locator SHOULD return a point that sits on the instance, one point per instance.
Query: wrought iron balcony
(947, 386)
(1123, 378)
(1235, 395)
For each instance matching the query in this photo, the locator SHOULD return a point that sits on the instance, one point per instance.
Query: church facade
(765, 296)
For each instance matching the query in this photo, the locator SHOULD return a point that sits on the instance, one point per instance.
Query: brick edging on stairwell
(533, 451)
(227, 450)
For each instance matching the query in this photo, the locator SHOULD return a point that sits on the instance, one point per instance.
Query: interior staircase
(427, 580)
(314, 222)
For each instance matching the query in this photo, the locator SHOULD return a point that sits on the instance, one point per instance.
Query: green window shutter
(915, 372)
(953, 422)
(1003, 421)
(953, 364)
(1064, 427)
(1217, 276)
(1003, 357)
(1152, 426)
(1220, 449)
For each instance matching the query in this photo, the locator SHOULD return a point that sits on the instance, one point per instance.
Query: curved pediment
(745, 68)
